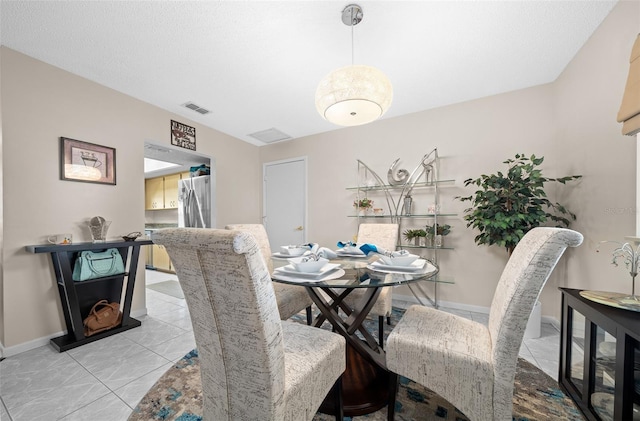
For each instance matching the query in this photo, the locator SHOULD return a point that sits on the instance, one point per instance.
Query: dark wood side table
(77, 298)
(600, 357)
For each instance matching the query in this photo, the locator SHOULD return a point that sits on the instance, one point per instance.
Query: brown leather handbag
(103, 316)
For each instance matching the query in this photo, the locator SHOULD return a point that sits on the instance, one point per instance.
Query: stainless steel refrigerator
(194, 202)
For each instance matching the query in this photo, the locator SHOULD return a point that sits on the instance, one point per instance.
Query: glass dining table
(367, 385)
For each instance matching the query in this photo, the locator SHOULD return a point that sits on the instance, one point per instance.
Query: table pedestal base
(366, 387)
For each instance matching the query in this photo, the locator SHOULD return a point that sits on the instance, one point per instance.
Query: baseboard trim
(552, 321)
(29, 345)
(139, 313)
(410, 300)
(403, 301)
(6, 352)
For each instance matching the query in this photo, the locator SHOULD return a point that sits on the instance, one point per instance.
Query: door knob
(299, 228)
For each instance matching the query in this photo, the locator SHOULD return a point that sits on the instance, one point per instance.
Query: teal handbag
(92, 265)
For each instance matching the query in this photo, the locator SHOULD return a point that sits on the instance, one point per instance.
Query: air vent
(196, 108)
(270, 135)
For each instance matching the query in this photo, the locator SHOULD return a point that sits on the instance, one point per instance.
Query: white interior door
(285, 202)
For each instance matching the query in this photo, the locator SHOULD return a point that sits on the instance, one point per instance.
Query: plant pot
(438, 241)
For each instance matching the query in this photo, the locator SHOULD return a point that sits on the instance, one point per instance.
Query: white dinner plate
(279, 255)
(341, 253)
(326, 269)
(295, 277)
(416, 266)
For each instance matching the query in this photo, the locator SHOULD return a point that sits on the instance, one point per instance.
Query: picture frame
(87, 162)
(183, 136)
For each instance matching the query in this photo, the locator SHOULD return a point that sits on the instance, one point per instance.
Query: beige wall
(40, 103)
(570, 122)
(587, 96)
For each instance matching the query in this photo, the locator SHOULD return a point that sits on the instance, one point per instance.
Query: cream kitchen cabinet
(161, 259)
(162, 192)
(154, 193)
(171, 191)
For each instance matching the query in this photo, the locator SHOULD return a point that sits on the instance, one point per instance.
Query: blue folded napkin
(342, 244)
(371, 248)
(349, 247)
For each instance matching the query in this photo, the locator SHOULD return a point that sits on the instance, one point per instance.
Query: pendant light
(356, 94)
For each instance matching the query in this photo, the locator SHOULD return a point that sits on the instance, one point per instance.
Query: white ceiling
(256, 64)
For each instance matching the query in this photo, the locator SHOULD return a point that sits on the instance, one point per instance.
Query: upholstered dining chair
(385, 236)
(291, 298)
(253, 365)
(467, 363)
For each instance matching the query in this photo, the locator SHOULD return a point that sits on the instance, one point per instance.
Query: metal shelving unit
(395, 192)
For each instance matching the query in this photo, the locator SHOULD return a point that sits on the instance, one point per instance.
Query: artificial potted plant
(363, 205)
(415, 236)
(421, 237)
(506, 206)
(436, 233)
(409, 235)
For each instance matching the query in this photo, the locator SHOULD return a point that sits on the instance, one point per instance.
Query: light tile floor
(104, 380)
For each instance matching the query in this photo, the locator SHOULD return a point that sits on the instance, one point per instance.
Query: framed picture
(183, 136)
(87, 162)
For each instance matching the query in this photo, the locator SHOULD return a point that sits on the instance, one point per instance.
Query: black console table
(600, 358)
(77, 298)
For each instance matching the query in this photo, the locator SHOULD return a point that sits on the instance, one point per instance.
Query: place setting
(350, 249)
(398, 262)
(289, 251)
(308, 268)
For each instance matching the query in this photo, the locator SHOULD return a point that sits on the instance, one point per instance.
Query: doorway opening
(179, 191)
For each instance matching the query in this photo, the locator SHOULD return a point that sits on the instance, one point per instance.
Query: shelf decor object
(630, 257)
(98, 228)
(355, 94)
(613, 299)
(363, 206)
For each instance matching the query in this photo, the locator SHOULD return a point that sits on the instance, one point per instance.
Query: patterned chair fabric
(291, 299)
(253, 365)
(385, 236)
(472, 365)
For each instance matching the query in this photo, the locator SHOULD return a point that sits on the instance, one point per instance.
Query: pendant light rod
(351, 16)
(352, 48)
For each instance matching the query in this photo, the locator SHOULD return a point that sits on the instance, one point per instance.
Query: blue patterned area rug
(177, 395)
